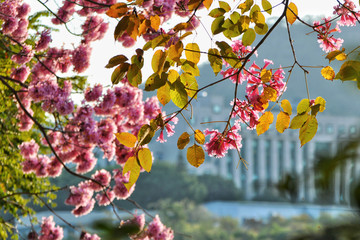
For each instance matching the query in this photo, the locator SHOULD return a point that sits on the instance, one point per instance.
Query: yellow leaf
(328, 73)
(270, 94)
(175, 51)
(207, 3)
(126, 139)
(117, 10)
(158, 60)
(290, 16)
(195, 155)
(183, 140)
(133, 167)
(155, 22)
(144, 26)
(192, 52)
(308, 130)
(193, 4)
(265, 75)
(337, 54)
(298, 121)
(282, 122)
(199, 136)
(173, 76)
(322, 102)
(303, 106)
(133, 27)
(264, 123)
(163, 94)
(181, 26)
(145, 159)
(286, 106)
(341, 57)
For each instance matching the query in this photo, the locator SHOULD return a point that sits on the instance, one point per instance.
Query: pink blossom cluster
(325, 36)
(155, 230)
(14, 15)
(259, 91)
(349, 16)
(49, 230)
(168, 127)
(220, 143)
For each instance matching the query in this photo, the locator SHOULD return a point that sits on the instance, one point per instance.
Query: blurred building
(272, 155)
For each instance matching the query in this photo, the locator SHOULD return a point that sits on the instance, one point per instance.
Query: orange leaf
(264, 123)
(117, 10)
(291, 13)
(155, 22)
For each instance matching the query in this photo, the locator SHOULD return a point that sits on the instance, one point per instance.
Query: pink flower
(24, 55)
(103, 177)
(49, 231)
(21, 73)
(23, 10)
(88, 236)
(83, 210)
(44, 41)
(327, 42)
(105, 199)
(80, 195)
(168, 127)
(10, 25)
(347, 12)
(29, 149)
(54, 167)
(81, 58)
(220, 142)
(92, 94)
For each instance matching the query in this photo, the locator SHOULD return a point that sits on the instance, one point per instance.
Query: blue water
(264, 210)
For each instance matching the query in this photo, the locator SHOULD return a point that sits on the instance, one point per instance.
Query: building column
(287, 157)
(275, 163)
(337, 185)
(262, 165)
(223, 167)
(346, 177)
(236, 166)
(249, 189)
(299, 168)
(310, 172)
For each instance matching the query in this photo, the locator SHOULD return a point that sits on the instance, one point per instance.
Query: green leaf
(121, 27)
(190, 67)
(155, 81)
(308, 130)
(249, 37)
(235, 17)
(286, 106)
(190, 83)
(178, 94)
(303, 106)
(183, 140)
(217, 12)
(134, 75)
(225, 6)
(195, 155)
(216, 26)
(349, 71)
(119, 73)
(215, 60)
(145, 158)
(145, 134)
(163, 94)
(266, 5)
(298, 121)
(158, 60)
(245, 6)
(126, 139)
(261, 29)
(116, 60)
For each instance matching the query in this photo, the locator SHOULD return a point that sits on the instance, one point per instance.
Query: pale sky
(106, 48)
